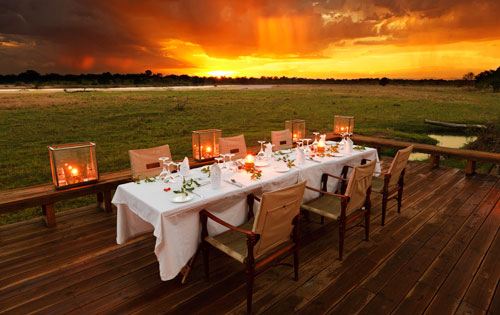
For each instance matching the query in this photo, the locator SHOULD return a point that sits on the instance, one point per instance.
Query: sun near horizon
(314, 39)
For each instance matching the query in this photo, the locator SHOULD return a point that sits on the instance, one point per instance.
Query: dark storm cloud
(125, 36)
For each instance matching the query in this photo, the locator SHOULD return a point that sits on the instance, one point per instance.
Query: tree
(489, 78)
(148, 73)
(469, 76)
(384, 81)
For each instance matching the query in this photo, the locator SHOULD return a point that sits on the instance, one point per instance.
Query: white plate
(181, 198)
(261, 163)
(281, 169)
(287, 151)
(329, 142)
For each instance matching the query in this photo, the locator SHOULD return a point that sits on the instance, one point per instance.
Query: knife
(311, 159)
(233, 182)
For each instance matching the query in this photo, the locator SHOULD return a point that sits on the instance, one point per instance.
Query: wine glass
(261, 155)
(224, 155)
(307, 150)
(230, 155)
(219, 160)
(164, 173)
(169, 174)
(300, 142)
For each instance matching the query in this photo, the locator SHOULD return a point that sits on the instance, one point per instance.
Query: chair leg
(296, 262)
(250, 278)
(367, 224)
(341, 239)
(384, 208)
(205, 249)
(400, 199)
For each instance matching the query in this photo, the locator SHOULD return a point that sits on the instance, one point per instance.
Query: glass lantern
(297, 129)
(343, 125)
(73, 164)
(206, 144)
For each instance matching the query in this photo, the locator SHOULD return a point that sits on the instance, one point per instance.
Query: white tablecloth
(146, 207)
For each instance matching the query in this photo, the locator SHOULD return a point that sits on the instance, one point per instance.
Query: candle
(249, 163)
(321, 146)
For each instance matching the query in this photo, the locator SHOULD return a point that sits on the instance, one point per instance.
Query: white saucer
(261, 163)
(329, 142)
(281, 169)
(181, 198)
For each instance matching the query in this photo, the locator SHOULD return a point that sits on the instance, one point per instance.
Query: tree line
(33, 79)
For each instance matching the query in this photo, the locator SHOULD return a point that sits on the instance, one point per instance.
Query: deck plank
(448, 227)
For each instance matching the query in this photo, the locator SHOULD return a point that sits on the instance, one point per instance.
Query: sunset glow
(317, 39)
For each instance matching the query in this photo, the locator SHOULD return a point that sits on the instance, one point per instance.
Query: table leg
(186, 270)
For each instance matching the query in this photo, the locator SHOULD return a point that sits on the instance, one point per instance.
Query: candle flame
(74, 171)
(209, 149)
(70, 167)
(249, 159)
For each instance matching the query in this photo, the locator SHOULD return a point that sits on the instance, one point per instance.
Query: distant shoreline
(146, 88)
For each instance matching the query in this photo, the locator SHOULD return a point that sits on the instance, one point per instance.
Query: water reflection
(456, 142)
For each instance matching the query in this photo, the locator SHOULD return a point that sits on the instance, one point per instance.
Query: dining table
(152, 206)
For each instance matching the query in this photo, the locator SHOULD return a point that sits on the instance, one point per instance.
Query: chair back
(361, 179)
(398, 165)
(282, 139)
(145, 162)
(275, 217)
(235, 145)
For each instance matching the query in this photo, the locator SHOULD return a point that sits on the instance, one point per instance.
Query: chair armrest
(326, 192)
(255, 197)
(224, 223)
(382, 173)
(337, 177)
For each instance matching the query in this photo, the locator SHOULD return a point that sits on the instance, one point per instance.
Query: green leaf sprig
(360, 148)
(206, 170)
(146, 179)
(187, 186)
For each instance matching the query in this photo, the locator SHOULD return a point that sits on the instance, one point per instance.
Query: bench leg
(104, 201)
(107, 201)
(49, 215)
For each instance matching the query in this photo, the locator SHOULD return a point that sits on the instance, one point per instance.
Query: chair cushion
(326, 205)
(233, 243)
(377, 184)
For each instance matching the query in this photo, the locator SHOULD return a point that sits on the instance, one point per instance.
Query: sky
(294, 38)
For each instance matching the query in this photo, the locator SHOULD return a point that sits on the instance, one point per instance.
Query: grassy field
(119, 121)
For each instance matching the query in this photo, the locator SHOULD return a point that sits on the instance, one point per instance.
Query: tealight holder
(297, 129)
(73, 164)
(206, 144)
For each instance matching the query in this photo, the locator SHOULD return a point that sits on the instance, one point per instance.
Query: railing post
(470, 168)
(434, 161)
(49, 215)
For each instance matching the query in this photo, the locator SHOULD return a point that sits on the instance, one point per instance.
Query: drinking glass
(307, 150)
(169, 174)
(164, 173)
(224, 156)
(261, 155)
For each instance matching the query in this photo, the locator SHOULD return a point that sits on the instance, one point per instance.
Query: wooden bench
(46, 195)
(435, 152)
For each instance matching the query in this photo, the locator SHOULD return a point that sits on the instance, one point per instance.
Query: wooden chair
(391, 183)
(235, 145)
(281, 139)
(267, 238)
(144, 162)
(346, 207)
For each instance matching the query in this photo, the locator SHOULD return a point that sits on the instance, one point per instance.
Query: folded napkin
(215, 176)
(185, 167)
(301, 156)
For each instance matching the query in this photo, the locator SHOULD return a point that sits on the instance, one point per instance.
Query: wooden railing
(46, 195)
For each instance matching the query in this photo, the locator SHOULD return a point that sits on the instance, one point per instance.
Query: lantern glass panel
(343, 125)
(297, 129)
(206, 144)
(73, 164)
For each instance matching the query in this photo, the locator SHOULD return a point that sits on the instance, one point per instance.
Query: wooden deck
(439, 256)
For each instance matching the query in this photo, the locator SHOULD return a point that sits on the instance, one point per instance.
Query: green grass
(119, 121)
